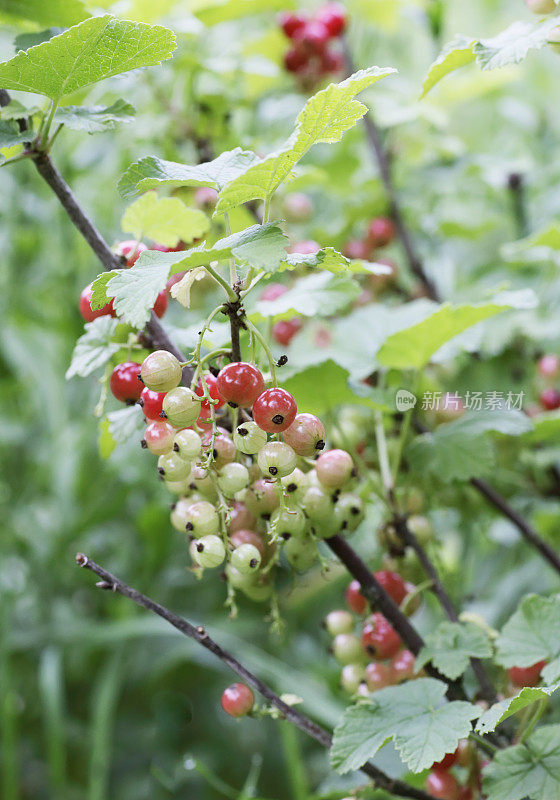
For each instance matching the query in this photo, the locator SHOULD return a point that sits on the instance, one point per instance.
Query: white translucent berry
(348, 512)
(209, 551)
(261, 498)
(202, 519)
(172, 467)
(288, 522)
(203, 483)
(351, 677)
(179, 513)
(295, 486)
(246, 558)
(276, 460)
(188, 444)
(339, 621)
(249, 438)
(318, 504)
(181, 407)
(300, 553)
(232, 478)
(161, 371)
(347, 649)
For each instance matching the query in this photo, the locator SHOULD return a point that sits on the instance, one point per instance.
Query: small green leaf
(151, 172)
(99, 297)
(455, 54)
(501, 420)
(94, 348)
(543, 245)
(529, 770)
(135, 290)
(423, 726)
(452, 457)
(11, 135)
(53, 12)
(317, 295)
(512, 45)
(499, 712)
(451, 646)
(331, 260)
(87, 53)
(94, 119)
(325, 118)
(166, 220)
(531, 634)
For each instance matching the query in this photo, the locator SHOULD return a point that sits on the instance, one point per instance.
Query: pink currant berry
(239, 384)
(334, 468)
(526, 676)
(223, 449)
(245, 536)
(314, 35)
(165, 248)
(158, 437)
(379, 639)
(381, 231)
(442, 785)
(131, 250)
(284, 330)
(549, 365)
(393, 584)
(88, 313)
(124, 382)
(403, 666)
(151, 402)
(291, 22)
(240, 518)
(354, 598)
(333, 17)
(261, 498)
(274, 410)
(306, 435)
(273, 291)
(378, 676)
(238, 700)
(298, 207)
(550, 399)
(357, 248)
(205, 197)
(306, 248)
(211, 383)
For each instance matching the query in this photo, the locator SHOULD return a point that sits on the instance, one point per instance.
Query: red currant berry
(314, 35)
(211, 383)
(549, 366)
(447, 761)
(402, 666)
(164, 248)
(291, 22)
(381, 231)
(284, 330)
(274, 410)
(526, 676)
(379, 639)
(89, 313)
(357, 248)
(158, 437)
(238, 700)
(295, 59)
(160, 306)
(378, 676)
(354, 598)
(443, 785)
(131, 250)
(306, 435)
(550, 399)
(124, 382)
(333, 17)
(151, 402)
(393, 584)
(240, 518)
(239, 384)
(175, 279)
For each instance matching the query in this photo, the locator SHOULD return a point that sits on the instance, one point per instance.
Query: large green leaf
(499, 712)
(455, 54)
(452, 456)
(94, 119)
(529, 770)
(325, 118)
(531, 634)
(317, 295)
(87, 53)
(512, 45)
(451, 645)
(94, 348)
(166, 220)
(151, 172)
(44, 12)
(415, 715)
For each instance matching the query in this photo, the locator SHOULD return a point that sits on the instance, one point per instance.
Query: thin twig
(516, 186)
(199, 634)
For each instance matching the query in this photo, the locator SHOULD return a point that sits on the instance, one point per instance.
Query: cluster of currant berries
(313, 53)
(442, 780)
(131, 251)
(263, 494)
(548, 369)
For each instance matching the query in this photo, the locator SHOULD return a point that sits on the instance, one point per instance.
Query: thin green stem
(232, 270)
(223, 283)
(386, 475)
(540, 708)
(266, 211)
(483, 743)
(405, 429)
(251, 281)
(47, 124)
(266, 348)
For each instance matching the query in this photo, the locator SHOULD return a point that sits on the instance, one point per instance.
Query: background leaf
(166, 220)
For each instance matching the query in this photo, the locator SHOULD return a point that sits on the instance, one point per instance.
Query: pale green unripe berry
(209, 552)
(295, 486)
(351, 677)
(318, 504)
(240, 580)
(203, 483)
(288, 522)
(188, 444)
(172, 467)
(276, 460)
(300, 553)
(181, 407)
(339, 621)
(246, 559)
(258, 592)
(161, 371)
(179, 513)
(233, 478)
(348, 512)
(347, 649)
(249, 438)
(178, 487)
(202, 519)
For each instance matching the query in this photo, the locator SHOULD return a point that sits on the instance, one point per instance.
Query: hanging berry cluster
(256, 488)
(313, 53)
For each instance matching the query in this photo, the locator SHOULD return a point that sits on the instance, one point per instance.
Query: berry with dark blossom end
(347, 649)
(172, 467)
(249, 438)
(211, 384)
(378, 675)
(550, 399)
(246, 559)
(334, 468)
(339, 621)
(246, 536)
(158, 437)
(131, 250)
(202, 519)
(351, 677)
(276, 460)
(188, 444)
(151, 402)
(381, 231)
(124, 383)
(295, 486)
(549, 366)
(274, 410)
(379, 639)
(160, 306)
(284, 330)
(402, 665)
(288, 523)
(354, 598)
(179, 512)
(209, 551)
(526, 676)
(88, 313)
(306, 435)
(393, 584)
(239, 383)
(442, 785)
(348, 512)
(238, 700)
(161, 371)
(333, 17)
(181, 407)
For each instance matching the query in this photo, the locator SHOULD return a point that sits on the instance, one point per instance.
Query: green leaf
(93, 119)
(53, 12)
(151, 172)
(135, 290)
(531, 634)
(11, 135)
(16, 110)
(87, 53)
(512, 45)
(125, 424)
(94, 348)
(325, 118)
(544, 245)
(415, 715)
(166, 220)
(412, 348)
(451, 456)
(99, 296)
(105, 442)
(501, 420)
(499, 712)
(530, 770)
(318, 295)
(26, 40)
(452, 645)
(455, 54)
(546, 427)
(331, 260)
